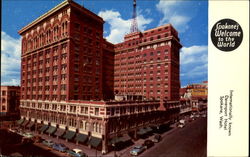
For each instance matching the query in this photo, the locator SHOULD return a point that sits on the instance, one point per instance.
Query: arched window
(3, 100)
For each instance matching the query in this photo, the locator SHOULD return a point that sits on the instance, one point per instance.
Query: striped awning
(20, 121)
(69, 135)
(43, 128)
(59, 132)
(115, 140)
(81, 137)
(51, 130)
(94, 141)
(30, 124)
(25, 123)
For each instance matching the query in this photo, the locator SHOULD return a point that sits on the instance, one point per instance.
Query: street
(190, 141)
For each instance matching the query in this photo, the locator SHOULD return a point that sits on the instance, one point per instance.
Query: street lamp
(113, 144)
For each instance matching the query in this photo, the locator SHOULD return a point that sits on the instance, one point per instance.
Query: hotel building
(147, 64)
(69, 75)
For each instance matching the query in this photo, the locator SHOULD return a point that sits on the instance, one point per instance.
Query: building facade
(147, 64)
(69, 75)
(10, 100)
(62, 55)
(193, 97)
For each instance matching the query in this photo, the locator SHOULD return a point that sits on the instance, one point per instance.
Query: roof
(77, 150)
(47, 14)
(54, 10)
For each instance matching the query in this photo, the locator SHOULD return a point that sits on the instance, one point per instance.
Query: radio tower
(134, 26)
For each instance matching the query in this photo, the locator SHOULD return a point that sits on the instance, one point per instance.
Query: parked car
(60, 147)
(197, 115)
(204, 115)
(136, 150)
(76, 153)
(28, 134)
(181, 125)
(182, 121)
(48, 143)
(156, 138)
(148, 144)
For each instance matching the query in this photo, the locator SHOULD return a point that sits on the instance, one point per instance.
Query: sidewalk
(125, 152)
(96, 153)
(71, 145)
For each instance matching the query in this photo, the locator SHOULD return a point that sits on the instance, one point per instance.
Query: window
(63, 76)
(46, 106)
(3, 93)
(55, 68)
(63, 108)
(63, 87)
(97, 111)
(84, 110)
(3, 108)
(3, 100)
(72, 108)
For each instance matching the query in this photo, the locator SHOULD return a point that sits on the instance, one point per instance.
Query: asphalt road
(190, 141)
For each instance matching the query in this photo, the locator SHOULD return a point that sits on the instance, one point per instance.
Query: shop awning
(69, 134)
(94, 141)
(125, 138)
(30, 124)
(43, 128)
(59, 132)
(141, 132)
(81, 137)
(25, 123)
(20, 121)
(51, 130)
(115, 140)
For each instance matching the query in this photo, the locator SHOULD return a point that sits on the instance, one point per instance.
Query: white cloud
(172, 14)
(193, 61)
(193, 54)
(10, 60)
(14, 82)
(119, 26)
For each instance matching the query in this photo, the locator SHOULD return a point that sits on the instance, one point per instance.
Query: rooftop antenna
(134, 26)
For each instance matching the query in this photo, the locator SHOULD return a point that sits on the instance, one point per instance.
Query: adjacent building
(70, 76)
(10, 100)
(193, 97)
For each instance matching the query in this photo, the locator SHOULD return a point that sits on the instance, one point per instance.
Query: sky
(190, 18)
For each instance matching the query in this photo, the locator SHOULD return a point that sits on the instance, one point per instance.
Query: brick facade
(69, 75)
(10, 100)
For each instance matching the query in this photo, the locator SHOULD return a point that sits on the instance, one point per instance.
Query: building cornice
(57, 8)
(42, 17)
